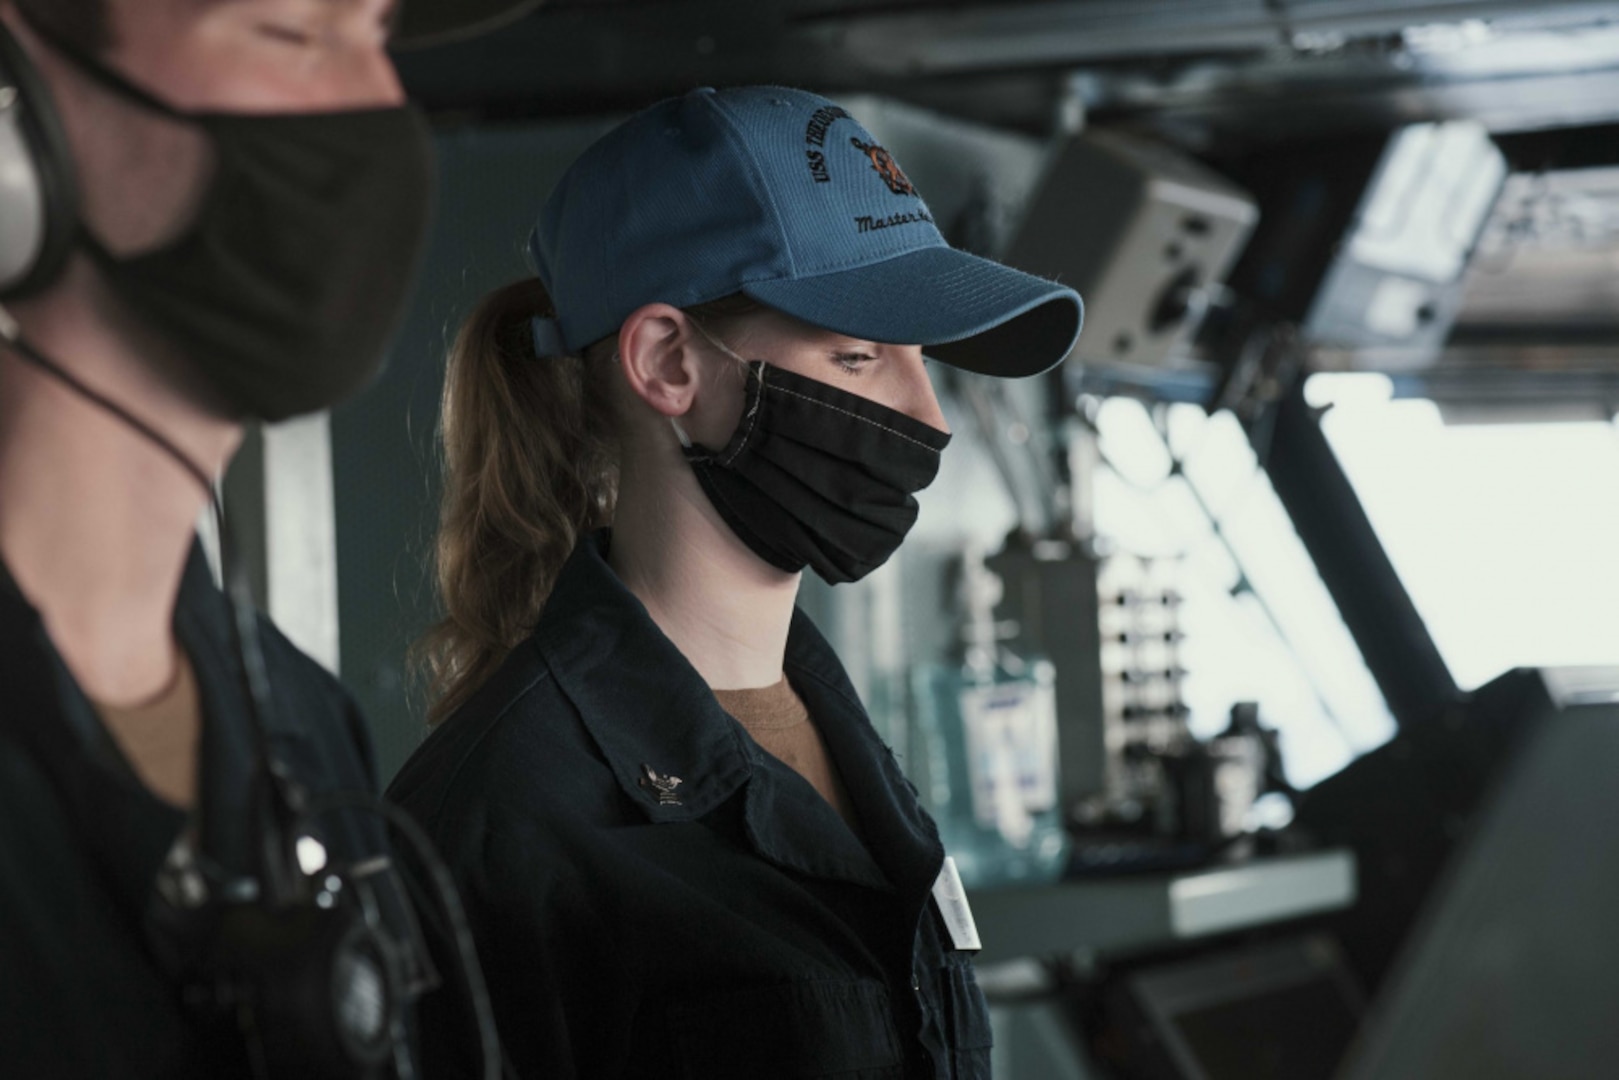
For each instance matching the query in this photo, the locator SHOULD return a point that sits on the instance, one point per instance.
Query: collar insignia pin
(663, 785)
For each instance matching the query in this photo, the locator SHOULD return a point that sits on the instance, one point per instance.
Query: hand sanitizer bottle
(988, 723)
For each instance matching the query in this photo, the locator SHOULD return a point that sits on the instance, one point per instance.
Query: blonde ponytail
(530, 464)
(531, 454)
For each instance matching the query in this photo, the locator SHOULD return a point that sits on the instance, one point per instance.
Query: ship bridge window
(1183, 490)
(1503, 525)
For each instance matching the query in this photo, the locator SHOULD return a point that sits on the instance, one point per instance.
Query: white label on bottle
(951, 900)
(1011, 741)
(1037, 750)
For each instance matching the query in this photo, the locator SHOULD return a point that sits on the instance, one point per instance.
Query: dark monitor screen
(1514, 969)
(1298, 1033)
(1284, 1010)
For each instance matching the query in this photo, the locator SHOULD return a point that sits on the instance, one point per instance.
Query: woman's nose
(921, 402)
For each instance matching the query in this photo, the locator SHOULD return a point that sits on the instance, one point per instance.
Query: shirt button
(916, 983)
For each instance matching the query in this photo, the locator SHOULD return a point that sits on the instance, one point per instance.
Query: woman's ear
(658, 357)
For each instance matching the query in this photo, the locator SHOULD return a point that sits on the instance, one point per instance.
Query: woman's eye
(852, 363)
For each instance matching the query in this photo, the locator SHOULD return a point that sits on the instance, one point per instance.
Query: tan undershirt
(159, 737)
(778, 721)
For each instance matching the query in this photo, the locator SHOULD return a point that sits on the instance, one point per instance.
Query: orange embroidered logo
(886, 167)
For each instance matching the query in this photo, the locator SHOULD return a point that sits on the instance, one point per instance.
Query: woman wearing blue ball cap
(685, 852)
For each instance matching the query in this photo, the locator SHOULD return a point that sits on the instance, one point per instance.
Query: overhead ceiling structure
(1227, 80)
(1549, 257)
(1199, 71)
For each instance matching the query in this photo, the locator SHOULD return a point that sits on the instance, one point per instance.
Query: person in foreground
(684, 849)
(209, 213)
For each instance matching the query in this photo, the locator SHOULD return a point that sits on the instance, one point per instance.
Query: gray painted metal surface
(1116, 915)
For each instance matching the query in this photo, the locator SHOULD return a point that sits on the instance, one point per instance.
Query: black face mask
(816, 476)
(285, 288)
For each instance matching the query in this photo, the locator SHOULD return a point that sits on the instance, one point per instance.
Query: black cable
(287, 796)
(459, 932)
(424, 908)
(27, 352)
(277, 867)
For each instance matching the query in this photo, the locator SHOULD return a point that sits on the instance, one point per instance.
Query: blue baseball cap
(783, 196)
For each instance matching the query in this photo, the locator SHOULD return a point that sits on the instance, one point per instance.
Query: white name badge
(951, 900)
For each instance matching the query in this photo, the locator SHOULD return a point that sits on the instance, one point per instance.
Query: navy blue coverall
(732, 926)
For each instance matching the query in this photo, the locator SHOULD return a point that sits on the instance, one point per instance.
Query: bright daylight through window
(1504, 534)
(1259, 623)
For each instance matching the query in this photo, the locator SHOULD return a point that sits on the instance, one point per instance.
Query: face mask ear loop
(92, 67)
(749, 366)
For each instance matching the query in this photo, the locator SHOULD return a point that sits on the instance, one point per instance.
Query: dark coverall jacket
(86, 986)
(732, 927)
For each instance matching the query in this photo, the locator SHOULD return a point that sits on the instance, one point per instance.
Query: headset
(39, 209)
(317, 964)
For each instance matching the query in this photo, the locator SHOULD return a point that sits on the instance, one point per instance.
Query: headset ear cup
(38, 186)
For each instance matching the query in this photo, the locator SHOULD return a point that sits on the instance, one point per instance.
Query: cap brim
(437, 22)
(965, 311)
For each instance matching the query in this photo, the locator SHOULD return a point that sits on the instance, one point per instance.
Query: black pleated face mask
(816, 476)
(286, 286)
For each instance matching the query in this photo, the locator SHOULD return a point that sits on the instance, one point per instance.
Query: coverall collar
(648, 710)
